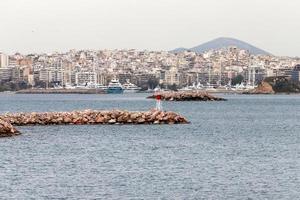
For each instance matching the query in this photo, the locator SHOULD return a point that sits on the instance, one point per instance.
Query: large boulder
(7, 130)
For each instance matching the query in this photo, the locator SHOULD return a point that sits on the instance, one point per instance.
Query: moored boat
(115, 87)
(130, 87)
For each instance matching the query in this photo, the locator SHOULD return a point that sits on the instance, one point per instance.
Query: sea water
(245, 148)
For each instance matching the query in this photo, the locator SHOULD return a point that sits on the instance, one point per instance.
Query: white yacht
(115, 87)
(130, 87)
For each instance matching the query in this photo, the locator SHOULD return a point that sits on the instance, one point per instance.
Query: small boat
(69, 86)
(244, 86)
(199, 86)
(130, 87)
(115, 87)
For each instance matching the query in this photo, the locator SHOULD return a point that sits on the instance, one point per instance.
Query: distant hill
(224, 42)
(178, 50)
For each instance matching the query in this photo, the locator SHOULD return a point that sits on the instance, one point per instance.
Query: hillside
(224, 42)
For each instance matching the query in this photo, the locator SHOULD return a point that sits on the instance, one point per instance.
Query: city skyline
(33, 26)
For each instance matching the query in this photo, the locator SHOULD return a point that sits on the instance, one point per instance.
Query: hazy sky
(60, 25)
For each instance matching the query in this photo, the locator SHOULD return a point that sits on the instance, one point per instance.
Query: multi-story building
(296, 73)
(83, 78)
(102, 78)
(57, 72)
(45, 75)
(171, 76)
(4, 60)
(123, 77)
(6, 74)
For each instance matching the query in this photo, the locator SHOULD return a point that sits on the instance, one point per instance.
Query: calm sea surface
(245, 148)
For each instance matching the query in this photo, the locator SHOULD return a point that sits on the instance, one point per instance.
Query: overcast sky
(60, 25)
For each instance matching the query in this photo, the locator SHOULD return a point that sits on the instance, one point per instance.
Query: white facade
(82, 78)
(172, 76)
(101, 78)
(45, 75)
(270, 72)
(57, 72)
(4, 59)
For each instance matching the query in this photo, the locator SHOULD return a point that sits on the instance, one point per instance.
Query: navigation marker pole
(158, 102)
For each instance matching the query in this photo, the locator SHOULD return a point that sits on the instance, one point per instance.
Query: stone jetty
(187, 96)
(7, 130)
(94, 117)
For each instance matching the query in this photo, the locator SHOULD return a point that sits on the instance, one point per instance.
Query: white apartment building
(171, 76)
(82, 78)
(4, 59)
(57, 72)
(45, 75)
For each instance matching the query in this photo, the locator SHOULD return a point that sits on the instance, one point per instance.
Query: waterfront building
(4, 60)
(83, 78)
(57, 72)
(296, 73)
(145, 80)
(171, 76)
(6, 74)
(123, 77)
(101, 78)
(270, 73)
(30, 80)
(45, 75)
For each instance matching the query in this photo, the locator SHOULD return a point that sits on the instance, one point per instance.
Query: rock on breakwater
(94, 117)
(7, 130)
(187, 96)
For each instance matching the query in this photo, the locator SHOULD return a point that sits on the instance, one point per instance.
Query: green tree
(237, 80)
(152, 83)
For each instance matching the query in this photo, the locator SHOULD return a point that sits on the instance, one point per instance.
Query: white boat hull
(131, 91)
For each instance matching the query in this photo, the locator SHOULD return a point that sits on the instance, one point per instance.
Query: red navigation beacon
(158, 101)
(158, 97)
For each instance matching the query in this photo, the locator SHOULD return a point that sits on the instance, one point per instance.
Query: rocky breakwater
(7, 130)
(262, 88)
(187, 96)
(94, 117)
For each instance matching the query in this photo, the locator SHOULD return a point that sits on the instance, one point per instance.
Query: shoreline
(61, 91)
(100, 91)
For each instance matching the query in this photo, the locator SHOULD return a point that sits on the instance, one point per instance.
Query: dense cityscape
(145, 69)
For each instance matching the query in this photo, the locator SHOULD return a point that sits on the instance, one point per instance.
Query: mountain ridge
(223, 42)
